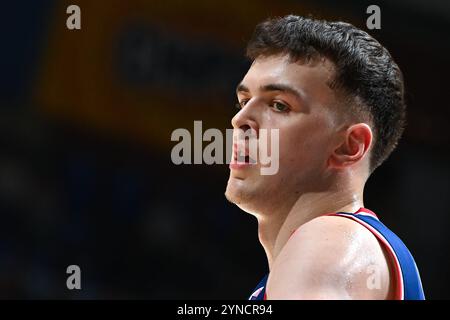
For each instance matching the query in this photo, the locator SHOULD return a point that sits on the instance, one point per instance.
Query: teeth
(245, 159)
(242, 155)
(241, 158)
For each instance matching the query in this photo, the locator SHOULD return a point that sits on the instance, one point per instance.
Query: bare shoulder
(330, 258)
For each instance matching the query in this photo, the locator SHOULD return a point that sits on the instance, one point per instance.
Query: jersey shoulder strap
(259, 293)
(408, 284)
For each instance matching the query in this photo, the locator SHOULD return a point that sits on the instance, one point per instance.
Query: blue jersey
(408, 283)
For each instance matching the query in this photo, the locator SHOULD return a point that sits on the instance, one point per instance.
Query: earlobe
(355, 144)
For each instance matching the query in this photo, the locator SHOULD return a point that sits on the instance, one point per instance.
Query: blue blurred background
(85, 122)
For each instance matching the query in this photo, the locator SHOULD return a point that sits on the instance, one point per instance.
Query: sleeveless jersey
(408, 283)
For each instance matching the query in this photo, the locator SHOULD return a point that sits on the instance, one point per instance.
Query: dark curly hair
(364, 70)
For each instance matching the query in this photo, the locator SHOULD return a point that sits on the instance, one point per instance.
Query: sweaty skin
(323, 166)
(330, 258)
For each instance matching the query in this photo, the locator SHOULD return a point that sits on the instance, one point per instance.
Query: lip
(239, 166)
(235, 165)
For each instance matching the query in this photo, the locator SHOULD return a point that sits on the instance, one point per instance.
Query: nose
(246, 118)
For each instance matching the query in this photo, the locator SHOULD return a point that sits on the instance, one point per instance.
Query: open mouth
(245, 159)
(242, 156)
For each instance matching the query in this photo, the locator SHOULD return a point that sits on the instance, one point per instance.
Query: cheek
(303, 144)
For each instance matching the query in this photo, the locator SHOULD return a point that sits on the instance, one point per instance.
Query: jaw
(252, 195)
(235, 189)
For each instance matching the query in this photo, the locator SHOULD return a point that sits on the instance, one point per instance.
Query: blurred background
(86, 116)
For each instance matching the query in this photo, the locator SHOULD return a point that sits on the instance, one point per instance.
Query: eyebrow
(273, 87)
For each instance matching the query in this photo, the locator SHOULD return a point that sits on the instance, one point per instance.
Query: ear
(354, 145)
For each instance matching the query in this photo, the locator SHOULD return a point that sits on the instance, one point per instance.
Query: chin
(234, 191)
(244, 195)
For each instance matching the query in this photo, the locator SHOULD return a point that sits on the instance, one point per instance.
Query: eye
(241, 103)
(279, 107)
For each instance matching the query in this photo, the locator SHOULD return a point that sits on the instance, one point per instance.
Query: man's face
(294, 98)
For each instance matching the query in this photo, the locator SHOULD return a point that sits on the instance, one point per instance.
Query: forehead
(310, 78)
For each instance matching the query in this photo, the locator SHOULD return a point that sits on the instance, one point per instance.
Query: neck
(275, 228)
